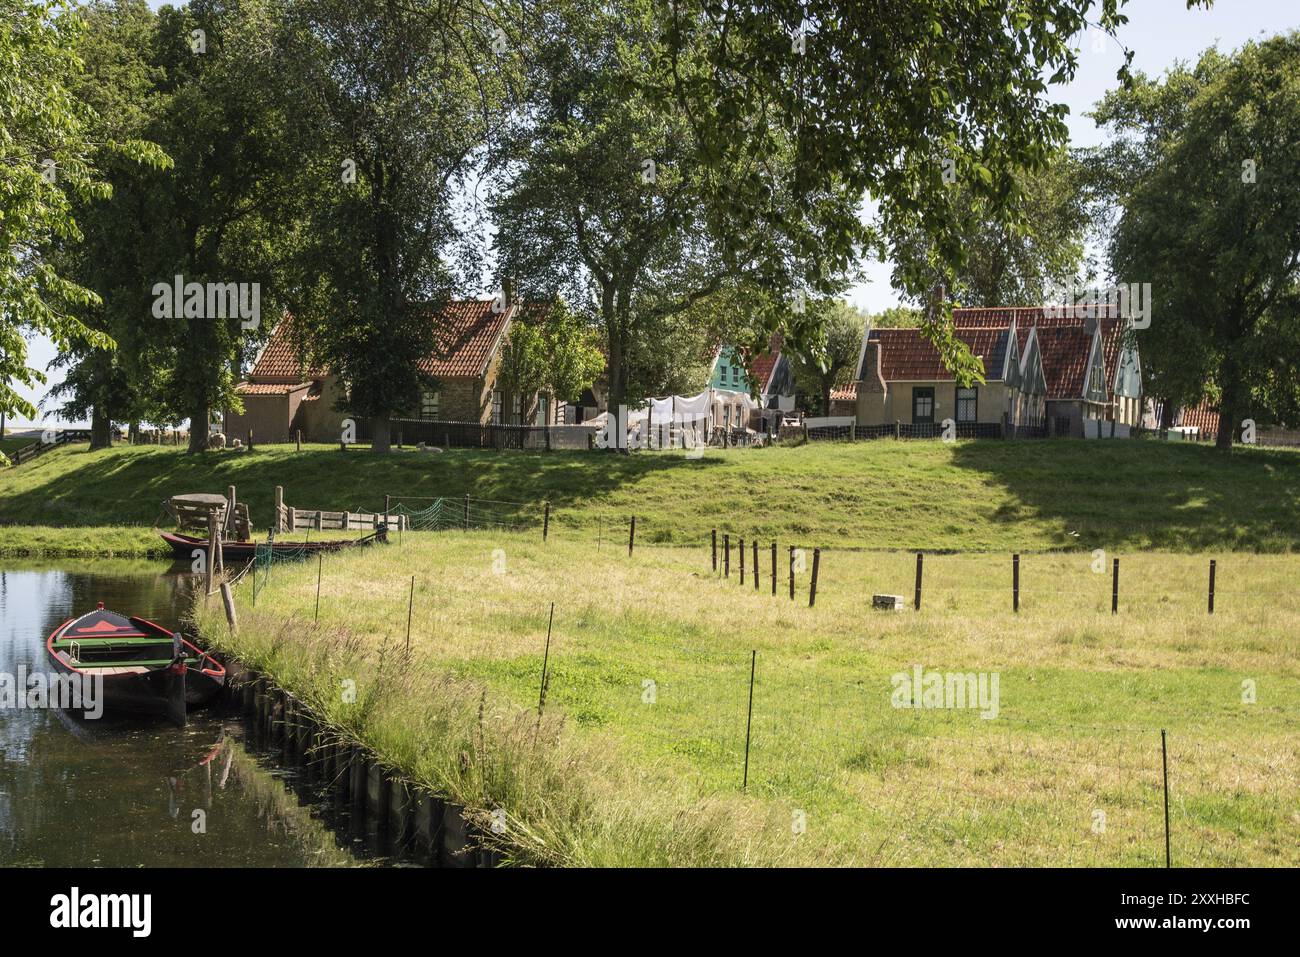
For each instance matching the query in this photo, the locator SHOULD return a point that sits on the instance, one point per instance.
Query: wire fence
(925, 780)
(913, 782)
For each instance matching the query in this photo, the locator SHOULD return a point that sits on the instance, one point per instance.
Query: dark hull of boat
(201, 688)
(165, 689)
(161, 692)
(183, 547)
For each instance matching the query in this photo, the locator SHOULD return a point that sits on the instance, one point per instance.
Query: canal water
(126, 792)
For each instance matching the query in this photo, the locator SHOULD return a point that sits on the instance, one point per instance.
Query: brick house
(1090, 359)
(280, 398)
(1089, 368)
(901, 378)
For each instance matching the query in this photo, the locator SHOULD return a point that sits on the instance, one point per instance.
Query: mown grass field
(973, 495)
(638, 755)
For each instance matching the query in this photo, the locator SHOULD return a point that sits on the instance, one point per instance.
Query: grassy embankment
(609, 777)
(638, 756)
(966, 496)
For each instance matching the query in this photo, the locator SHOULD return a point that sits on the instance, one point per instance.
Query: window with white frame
(496, 407)
(541, 410)
(430, 404)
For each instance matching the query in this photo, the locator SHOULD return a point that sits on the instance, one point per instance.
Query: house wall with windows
(729, 371)
(280, 397)
(887, 388)
(933, 401)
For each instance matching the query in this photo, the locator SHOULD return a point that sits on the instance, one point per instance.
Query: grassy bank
(975, 495)
(87, 542)
(638, 755)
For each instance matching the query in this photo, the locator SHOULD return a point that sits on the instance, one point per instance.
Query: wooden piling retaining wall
(396, 815)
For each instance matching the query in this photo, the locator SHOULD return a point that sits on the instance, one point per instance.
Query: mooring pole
(1015, 582)
(1212, 564)
(715, 551)
(546, 657)
(410, 606)
(546, 521)
(792, 573)
(920, 565)
(228, 600)
(774, 575)
(742, 561)
(320, 565)
(812, 587)
(1164, 761)
(726, 554)
(756, 564)
(1114, 588)
(749, 721)
(631, 536)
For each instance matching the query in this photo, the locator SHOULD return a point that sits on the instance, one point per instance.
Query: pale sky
(1160, 32)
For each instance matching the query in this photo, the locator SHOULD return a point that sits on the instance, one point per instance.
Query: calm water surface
(124, 792)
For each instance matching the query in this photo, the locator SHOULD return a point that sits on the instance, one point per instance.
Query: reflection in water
(122, 791)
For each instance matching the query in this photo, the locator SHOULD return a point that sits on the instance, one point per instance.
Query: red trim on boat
(217, 669)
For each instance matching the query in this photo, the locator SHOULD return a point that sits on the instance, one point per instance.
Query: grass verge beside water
(638, 756)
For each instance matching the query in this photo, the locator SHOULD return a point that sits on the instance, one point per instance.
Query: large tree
(197, 81)
(607, 193)
(895, 99)
(395, 104)
(548, 350)
(1207, 182)
(47, 165)
(120, 86)
(1013, 256)
(222, 215)
(833, 357)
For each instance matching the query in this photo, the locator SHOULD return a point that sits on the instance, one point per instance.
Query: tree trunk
(616, 393)
(1223, 438)
(101, 432)
(133, 431)
(1229, 403)
(200, 413)
(1166, 413)
(380, 434)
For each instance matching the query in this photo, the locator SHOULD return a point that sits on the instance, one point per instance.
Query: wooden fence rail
(290, 519)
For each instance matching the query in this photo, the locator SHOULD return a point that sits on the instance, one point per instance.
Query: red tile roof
(1062, 341)
(1112, 342)
(467, 332)
(760, 368)
(907, 356)
(467, 335)
(1065, 350)
(267, 388)
(1029, 315)
(279, 361)
(845, 393)
(1202, 416)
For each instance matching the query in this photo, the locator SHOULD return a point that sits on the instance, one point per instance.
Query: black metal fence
(461, 435)
(927, 430)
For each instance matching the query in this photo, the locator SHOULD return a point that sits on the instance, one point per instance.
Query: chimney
(872, 381)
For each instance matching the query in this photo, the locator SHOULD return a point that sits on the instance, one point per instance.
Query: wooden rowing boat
(184, 547)
(144, 667)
